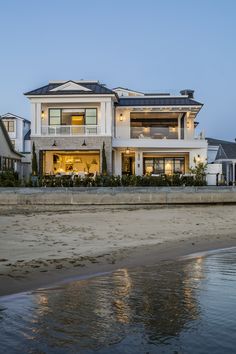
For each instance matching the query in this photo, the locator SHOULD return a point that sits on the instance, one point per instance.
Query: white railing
(70, 130)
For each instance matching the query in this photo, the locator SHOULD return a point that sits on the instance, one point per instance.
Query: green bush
(9, 179)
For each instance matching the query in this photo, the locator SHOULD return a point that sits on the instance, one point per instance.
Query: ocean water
(186, 306)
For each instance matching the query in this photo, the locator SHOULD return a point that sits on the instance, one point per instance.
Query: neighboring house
(143, 133)
(18, 129)
(9, 158)
(224, 152)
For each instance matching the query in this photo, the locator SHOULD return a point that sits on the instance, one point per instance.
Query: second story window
(91, 116)
(73, 116)
(54, 116)
(10, 125)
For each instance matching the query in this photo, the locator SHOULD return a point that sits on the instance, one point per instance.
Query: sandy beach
(40, 248)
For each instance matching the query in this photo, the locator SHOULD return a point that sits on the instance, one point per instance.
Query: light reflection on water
(174, 307)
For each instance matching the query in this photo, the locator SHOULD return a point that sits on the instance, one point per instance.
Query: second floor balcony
(70, 130)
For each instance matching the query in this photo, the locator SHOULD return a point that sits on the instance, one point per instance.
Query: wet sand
(40, 248)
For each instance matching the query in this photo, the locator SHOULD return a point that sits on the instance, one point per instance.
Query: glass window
(54, 116)
(10, 125)
(158, 166)
(179, 165)
(91, 116)
(164, 165)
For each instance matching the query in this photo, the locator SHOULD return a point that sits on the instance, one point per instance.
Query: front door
(128, 164)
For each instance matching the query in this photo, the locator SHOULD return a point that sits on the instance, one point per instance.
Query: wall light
(54, 143)
(121, 117)
(127, 151)
(42, 115)
(84, 143)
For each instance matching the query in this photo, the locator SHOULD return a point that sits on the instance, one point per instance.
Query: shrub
(9, 179)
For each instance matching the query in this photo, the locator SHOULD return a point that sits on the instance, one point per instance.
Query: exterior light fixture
(121, 117)
(84, 143)
(127, 151)
(54, 143)
(42, 115)
(188, 124)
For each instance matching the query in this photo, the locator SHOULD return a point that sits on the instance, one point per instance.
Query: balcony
(154, 132)
(70, 130)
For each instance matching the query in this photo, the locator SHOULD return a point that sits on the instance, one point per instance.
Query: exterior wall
(75, 143)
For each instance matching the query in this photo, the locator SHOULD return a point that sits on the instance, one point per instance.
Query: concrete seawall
(72, 197)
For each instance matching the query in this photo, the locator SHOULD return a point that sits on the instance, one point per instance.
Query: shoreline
(141, 256)
(40, 250)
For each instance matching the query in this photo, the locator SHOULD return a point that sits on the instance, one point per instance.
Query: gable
(6, 148)
(70, 86)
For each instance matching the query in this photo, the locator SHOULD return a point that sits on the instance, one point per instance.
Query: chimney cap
(187, 92)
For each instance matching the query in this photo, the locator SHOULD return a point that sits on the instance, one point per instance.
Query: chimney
(187, 92)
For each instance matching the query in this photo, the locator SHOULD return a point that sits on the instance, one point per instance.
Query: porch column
(103, 118)
(108, 118)
(138, 163)
(117, 163)
(233, 173)
(38, 119)
(33, 118)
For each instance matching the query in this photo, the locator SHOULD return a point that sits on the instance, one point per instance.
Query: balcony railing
(154, 133)
(70, 130)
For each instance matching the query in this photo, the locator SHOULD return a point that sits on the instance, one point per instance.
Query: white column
(38, 118)
(138, 163)
(233, 173)
(33, 118)
(117, 162)
(108, 119)
(103, 118)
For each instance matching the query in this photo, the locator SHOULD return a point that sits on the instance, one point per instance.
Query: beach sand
(40, 248)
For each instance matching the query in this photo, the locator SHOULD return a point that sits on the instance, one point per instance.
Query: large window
(73, 116)
(164, 165)
(154, 125)
(10, 125)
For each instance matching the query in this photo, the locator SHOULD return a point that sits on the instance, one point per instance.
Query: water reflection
(129, 311)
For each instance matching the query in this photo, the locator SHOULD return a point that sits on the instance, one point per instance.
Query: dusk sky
(151, 45)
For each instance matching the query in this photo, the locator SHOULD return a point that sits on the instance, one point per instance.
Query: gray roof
(95, 87)
(158, 101)
(227, 149)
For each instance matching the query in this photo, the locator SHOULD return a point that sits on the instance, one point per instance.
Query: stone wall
(120, 196)
(75, 143)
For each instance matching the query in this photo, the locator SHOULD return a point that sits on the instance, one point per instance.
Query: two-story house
(143, 133)
(18, 129)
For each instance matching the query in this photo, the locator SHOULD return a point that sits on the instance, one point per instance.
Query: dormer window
(10, 125)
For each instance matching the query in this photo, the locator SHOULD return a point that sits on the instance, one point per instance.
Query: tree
(34, 162)
(199, 172)
(104, 160)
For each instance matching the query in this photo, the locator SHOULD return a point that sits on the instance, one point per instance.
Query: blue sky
(152, 45)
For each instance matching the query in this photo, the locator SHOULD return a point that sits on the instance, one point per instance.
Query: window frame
(49, 115)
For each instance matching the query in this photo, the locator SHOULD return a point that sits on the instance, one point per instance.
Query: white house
(224, 153)
(18, 129)
(9, 158)
(143, 133)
